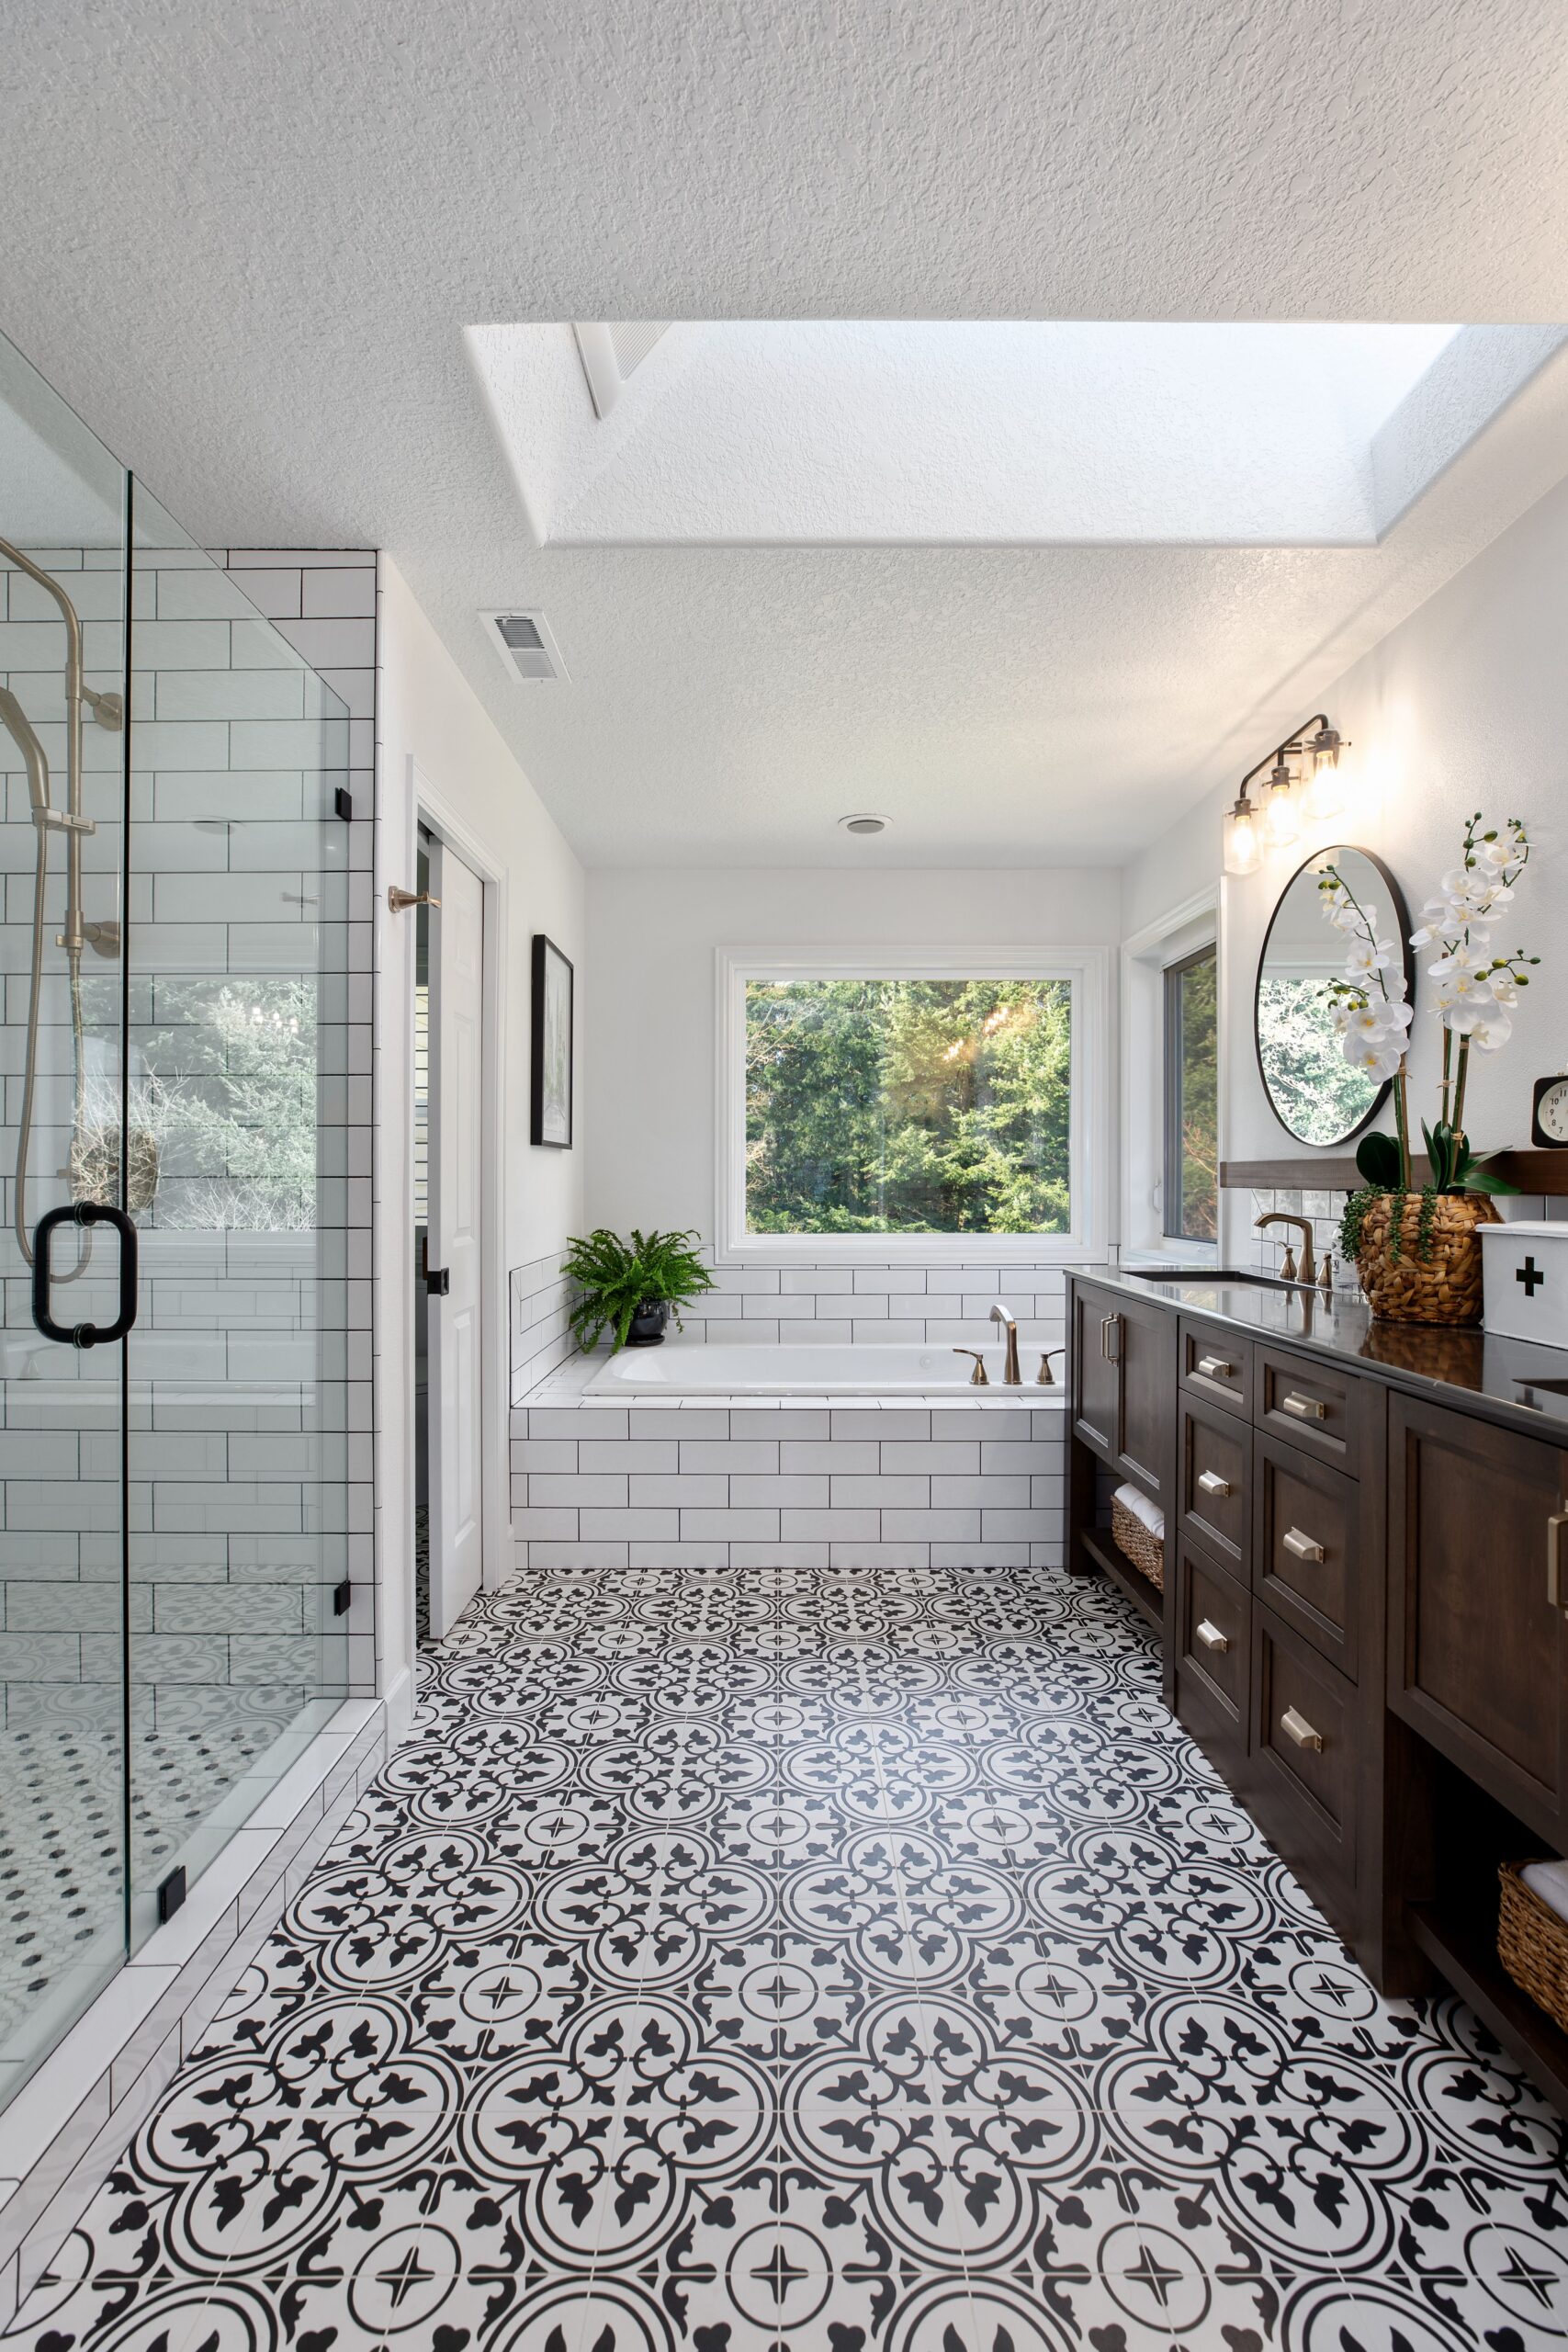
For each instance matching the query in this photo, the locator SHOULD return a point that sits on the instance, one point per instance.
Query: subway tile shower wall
(239, 1469)
(891, 1306)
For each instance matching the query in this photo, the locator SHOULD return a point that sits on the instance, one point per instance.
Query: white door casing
(455, 1343)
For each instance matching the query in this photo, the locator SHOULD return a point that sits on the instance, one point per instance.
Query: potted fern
(631, 1288)
(1417, 1251)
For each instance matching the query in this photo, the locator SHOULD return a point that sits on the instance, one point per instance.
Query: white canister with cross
(1525, 1265)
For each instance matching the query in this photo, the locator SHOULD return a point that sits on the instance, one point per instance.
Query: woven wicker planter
(1444, 1286)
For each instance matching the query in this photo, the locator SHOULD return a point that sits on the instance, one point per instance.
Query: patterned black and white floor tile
(784, 1961)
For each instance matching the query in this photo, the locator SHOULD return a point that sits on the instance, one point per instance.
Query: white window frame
(1145, 958)
(1087, 970)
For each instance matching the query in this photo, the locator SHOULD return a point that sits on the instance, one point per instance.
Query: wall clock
(1549, 1113)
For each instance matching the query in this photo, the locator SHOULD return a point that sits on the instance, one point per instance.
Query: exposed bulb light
(1274, 820)
(1325, 795)
(1281, 810)
(1243, 854)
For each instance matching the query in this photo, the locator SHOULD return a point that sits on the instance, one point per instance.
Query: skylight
(887, 431)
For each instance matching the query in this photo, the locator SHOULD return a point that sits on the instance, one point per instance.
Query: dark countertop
(1500, 1379)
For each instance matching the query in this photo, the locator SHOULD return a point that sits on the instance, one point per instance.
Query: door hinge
(341, 1595)
(343, 801)
(171, 1894)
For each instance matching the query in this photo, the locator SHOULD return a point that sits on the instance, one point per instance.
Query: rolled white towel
(1550, 1881)
(1141, 1507)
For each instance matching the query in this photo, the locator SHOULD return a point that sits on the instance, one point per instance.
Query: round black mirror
(1316, 1095)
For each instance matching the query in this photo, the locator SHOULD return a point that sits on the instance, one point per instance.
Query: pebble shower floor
(820, 1960)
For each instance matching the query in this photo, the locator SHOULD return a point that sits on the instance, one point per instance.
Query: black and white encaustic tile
(814, 1962)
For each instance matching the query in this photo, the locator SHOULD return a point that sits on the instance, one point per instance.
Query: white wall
(428, 717)
(649, 993)
(1464, 705)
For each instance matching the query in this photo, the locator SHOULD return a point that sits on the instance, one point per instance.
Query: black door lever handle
(438, 1281)
(84, 1335)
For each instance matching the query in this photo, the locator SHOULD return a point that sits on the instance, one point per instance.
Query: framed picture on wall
(552, 1048)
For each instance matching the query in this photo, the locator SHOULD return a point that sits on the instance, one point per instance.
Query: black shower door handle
(84, 1335)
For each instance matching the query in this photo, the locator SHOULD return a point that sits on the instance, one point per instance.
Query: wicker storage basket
(1532, 1944)
(1137, 1543)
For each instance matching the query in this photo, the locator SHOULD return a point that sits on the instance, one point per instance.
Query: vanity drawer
(1213, 1460)
(1304, 1547)
(1302, 1729)
(1310, 1405)
(1214, 1621)
(1216, 1365)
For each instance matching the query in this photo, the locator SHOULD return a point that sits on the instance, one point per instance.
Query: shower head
(19, 727)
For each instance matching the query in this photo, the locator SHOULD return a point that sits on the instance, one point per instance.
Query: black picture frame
(550, 1118)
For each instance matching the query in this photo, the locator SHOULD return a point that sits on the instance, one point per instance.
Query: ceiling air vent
(612, 355)
(527, 646)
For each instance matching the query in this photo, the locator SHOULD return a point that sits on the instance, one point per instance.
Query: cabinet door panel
(1097, 1378)
(1145, 1338)
(1478, 1655)
(1310, 1404)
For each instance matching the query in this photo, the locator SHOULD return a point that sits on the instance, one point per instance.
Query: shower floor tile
(816, 1961)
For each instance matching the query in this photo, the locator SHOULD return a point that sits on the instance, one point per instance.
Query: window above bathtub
(927, 1105)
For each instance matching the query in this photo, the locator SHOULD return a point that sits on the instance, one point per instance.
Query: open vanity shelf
(1358, 1624)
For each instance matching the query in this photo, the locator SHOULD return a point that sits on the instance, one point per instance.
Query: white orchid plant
(1476, 992)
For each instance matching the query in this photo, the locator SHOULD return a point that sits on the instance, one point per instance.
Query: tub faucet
(1011, 1375)
(1309, 1264)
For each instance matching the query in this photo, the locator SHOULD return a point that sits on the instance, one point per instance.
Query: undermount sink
(1209, 1274)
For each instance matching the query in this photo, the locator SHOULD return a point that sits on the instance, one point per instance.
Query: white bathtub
(697, 1370)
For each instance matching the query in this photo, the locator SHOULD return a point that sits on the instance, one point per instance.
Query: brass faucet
(1011, 1375)
(1303, 1226)
(979, 1377)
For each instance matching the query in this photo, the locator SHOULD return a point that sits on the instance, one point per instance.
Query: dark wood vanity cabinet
(1478, 1641)
(1365, 1619)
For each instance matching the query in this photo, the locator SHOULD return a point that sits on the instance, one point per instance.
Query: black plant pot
(647, 1324)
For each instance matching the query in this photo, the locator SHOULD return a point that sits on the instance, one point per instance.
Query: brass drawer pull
(1214, 1368)
(1302, 1545)
(1305, 1409)
(1211, 1637)
(1297, 1728)
(1554, 1526)
(1213, 1484)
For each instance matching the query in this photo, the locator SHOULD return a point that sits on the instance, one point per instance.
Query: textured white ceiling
(245, 242)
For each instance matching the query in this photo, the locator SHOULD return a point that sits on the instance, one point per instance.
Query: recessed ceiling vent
(611, 356)
(526, 644)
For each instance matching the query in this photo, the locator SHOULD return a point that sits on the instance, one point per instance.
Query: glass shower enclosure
(174, 1546)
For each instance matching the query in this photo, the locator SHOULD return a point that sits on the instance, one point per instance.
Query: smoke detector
(527, 646)
(612, 355)
(864, 824)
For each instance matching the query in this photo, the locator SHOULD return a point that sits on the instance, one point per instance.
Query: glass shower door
(62, 838)
(237, 1446)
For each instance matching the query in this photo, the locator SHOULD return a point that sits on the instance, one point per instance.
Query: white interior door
(457, 1450)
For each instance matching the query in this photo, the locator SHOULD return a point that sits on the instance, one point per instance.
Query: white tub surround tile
(763, 1483)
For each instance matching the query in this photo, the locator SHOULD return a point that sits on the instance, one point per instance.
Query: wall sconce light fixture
(1313, 791)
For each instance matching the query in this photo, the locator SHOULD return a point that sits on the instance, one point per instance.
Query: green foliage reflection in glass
(1199, 1176)
(224, 1079)
(909, 1107)
(1320, 1097)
